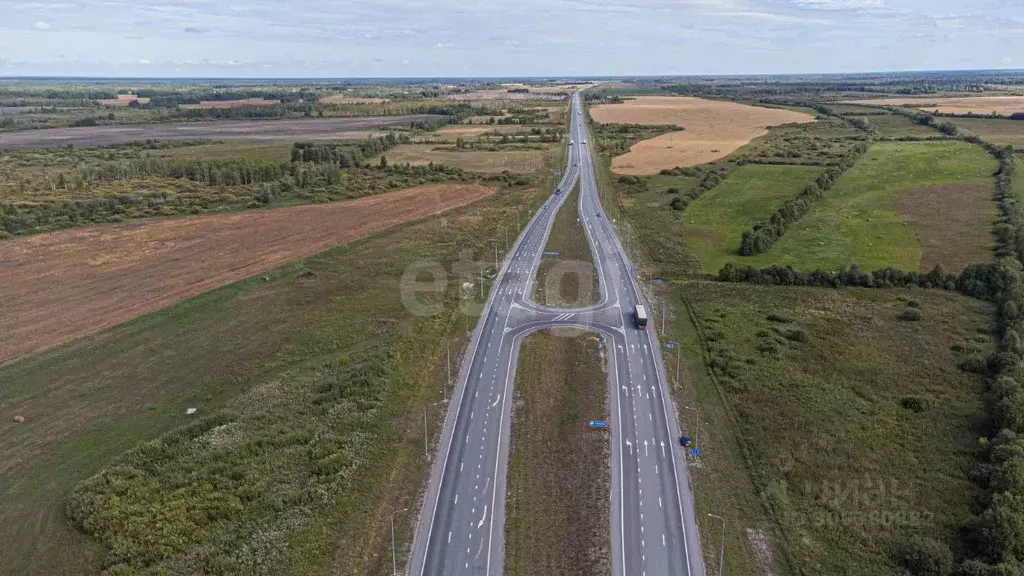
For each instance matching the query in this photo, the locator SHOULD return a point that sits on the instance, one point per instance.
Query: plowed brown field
(712, 129)
(67, 284)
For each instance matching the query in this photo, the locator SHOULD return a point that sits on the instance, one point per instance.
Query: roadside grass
(311, 383)
(808, 449)
(570, 279)
(1001, 132)
(897, 126)
(558, 472)
(513, 159)
(857, 220)
(715, 223)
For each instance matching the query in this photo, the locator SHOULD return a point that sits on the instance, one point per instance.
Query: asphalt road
(653, 527)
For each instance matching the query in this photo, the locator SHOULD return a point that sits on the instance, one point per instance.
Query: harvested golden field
(123, 100)
(521, 161)
(712, 130)
(341, 99)
(1003, 105)
(67, 284)
(230, 103)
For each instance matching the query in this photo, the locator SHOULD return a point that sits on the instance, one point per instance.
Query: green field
(557, 506)
(896, 126)
(860, 220)
(807, 441)
(716, 222)
(310, 383)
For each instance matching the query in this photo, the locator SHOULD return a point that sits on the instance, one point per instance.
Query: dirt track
(259, 130)
(67, 284)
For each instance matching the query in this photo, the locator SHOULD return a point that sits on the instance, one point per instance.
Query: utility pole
(426, 450)
(394, 560)
(495, 257)
(679, 356)
(448, 348)
(721, 547)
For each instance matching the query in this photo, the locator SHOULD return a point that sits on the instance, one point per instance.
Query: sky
(472, 38)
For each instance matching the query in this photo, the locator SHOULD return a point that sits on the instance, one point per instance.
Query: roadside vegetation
(857, 458)
(558, 473)
(310, 383)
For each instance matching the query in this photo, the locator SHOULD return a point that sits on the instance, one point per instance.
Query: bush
(778, 318)
(923, 556)
(915, 404)
(677, 203)
(911, 315)
(797, 335)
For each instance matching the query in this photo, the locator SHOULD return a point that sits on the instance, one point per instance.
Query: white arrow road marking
(496, 400)
(645, 448)
(662, 448)
(481, 522)
(629, 445)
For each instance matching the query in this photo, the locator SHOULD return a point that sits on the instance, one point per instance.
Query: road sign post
(597, 424)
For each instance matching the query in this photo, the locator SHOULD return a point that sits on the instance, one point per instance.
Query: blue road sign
(598, 424)
(558, 172)
(670, 345)
(656, 280)
(695, 451)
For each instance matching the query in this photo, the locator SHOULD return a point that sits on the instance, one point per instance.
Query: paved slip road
(653, 526)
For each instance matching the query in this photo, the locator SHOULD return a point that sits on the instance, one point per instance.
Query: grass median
(567, 277)
(558, 472)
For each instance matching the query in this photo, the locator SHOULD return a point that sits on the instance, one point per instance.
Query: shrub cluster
(975, 280)
(767, 232)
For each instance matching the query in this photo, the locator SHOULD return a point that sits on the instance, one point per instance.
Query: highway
(653, 526)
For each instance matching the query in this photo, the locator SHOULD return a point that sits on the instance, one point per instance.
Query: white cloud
(1005, 60)
(840, 4)
(40, 25)
(771, 17)
(143, 61)
(443, 45)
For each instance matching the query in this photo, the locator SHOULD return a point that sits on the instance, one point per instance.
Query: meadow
(834, 429)
(714, 223)
(1001, 132)
(310, 382)
(908, 205)
(897, 126)
(517, 159)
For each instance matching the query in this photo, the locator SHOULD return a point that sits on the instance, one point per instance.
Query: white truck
(640, 315)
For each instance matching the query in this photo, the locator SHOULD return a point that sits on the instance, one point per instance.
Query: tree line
(767, 232)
